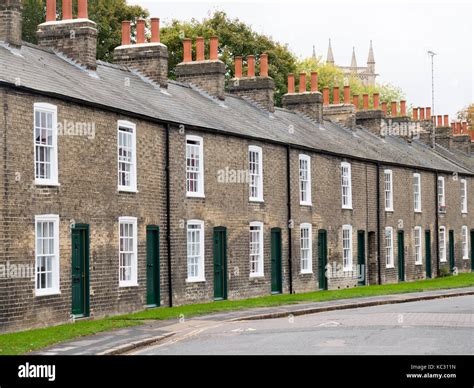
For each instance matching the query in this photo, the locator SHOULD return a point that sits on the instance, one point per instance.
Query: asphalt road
(441, 326)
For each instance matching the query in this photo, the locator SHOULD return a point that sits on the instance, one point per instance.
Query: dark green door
(401, 256)
(452, 260)
(472, 250)
(428, 253)
(361, 257)
(80, 270)
(322, 259)
(220, 263)
(276, 260)
(153, 266)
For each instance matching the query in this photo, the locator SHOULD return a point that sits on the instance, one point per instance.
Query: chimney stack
(75, 38)
(307, 103)
(149, 59)
(440, 121)
(446, 120)
(11, 22)
(403, 108)
(347, 95)
(326, 96)
(343, 114)
(336, 95)
(422, 114)
(207, 74)
(415, 114)
(355, 101)
(393, 112)
(376, 101)
(260, 89)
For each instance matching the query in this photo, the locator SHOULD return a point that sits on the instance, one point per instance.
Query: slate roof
(117, 88)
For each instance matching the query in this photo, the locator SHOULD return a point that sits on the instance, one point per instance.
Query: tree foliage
(108, 14)
(235, 39)
(330, 76)
(467, 114)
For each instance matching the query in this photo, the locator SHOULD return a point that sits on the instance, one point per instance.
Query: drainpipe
(379, 265)
(437, 223)
(288, 193)
(168, 215)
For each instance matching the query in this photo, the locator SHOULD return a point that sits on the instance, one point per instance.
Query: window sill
(47, 183)
(347, 208)
(127, 190)
(196, 280)
(306, 272)
(195, 195)
(306, 204)
(443, 261)
(418, 263)
(125, 285)
(47, 292)
(465, 258)
(348, 269)
(257, 275)
(464, 213)
(418, 211)
(256, 200)
(389, 210)
(390, 266)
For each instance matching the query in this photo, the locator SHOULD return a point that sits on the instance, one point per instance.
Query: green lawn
(23, 342)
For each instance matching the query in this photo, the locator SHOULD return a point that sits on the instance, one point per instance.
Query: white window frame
(200, 171)
(465, 242)
(417, 235)
(347, 261)
(201, 277)
(463, 196)
(417, 192)
(55, 264)
(53, 110)
(389, 254)
(388, 189)
(443, 255)
(308, 268)
(260, 261)
(441, 192)
(132, 129)
(258, 174)
(305, 184)
(346, 198)
(133, 282)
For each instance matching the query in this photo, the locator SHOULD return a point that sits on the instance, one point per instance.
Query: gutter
(168, 215)
(213, 130)
(288, 193)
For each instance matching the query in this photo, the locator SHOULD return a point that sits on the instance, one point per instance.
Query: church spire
(354, 60)
(330, 56)
(314, 51)
(371, 59)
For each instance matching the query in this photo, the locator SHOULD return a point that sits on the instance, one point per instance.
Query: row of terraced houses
(122, 189)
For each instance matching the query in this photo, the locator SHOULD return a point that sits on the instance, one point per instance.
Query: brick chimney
(207, 74)
(341, 113)
(75, 38)
(308, 103)
(148, 58)
(259, 89)
(10, 21)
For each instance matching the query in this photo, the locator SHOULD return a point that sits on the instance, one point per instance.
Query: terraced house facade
(122, 189)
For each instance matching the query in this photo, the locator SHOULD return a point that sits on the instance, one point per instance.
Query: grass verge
(25, 341)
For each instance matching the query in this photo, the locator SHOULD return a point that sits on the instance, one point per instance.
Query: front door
(153, 266)
(276, 260)
(472, 250)
(452, 261)
(428, 253)
(361, 257)
(220, 263)
(80, 270)
(322, 259)
(401, 256)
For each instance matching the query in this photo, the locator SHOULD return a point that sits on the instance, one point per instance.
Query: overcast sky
(401, 32)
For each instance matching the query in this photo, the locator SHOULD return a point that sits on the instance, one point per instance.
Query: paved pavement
(442, 326)
(182, 327)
